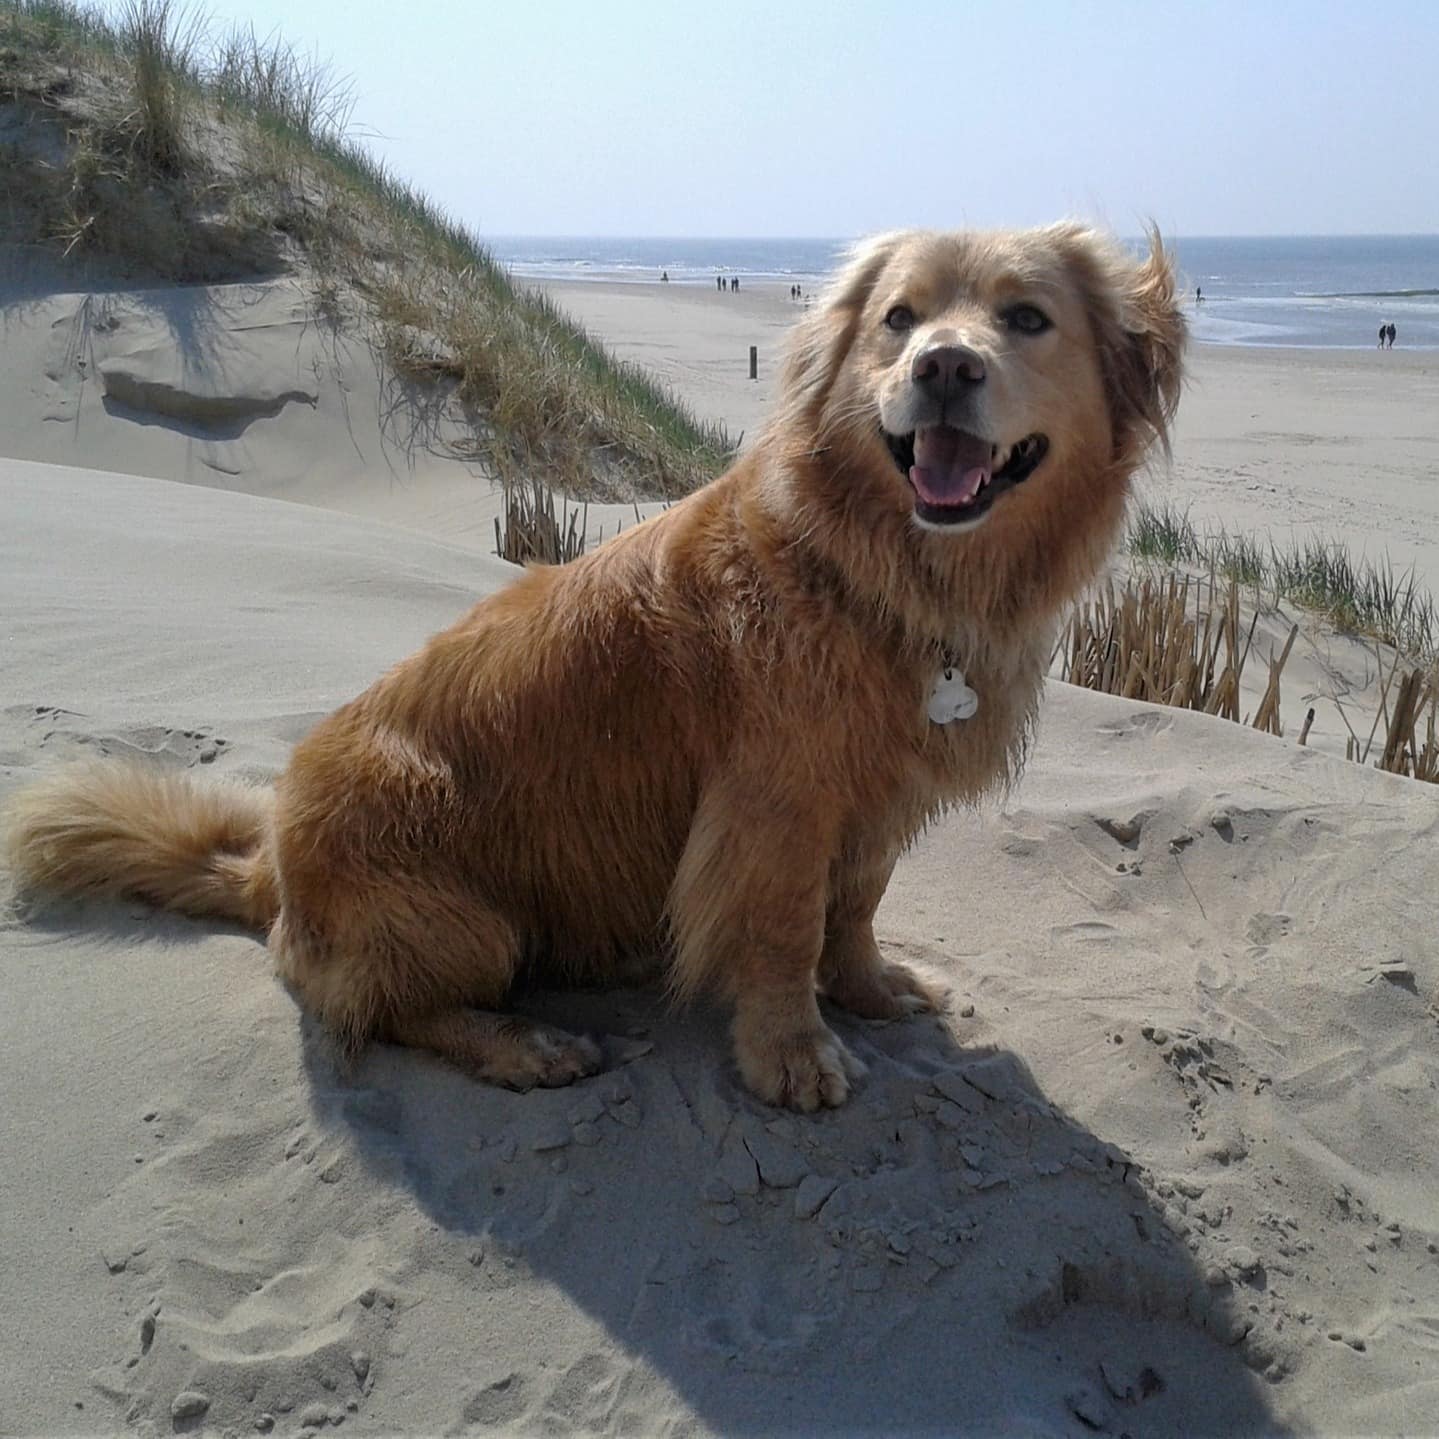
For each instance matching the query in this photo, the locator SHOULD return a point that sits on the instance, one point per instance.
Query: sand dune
(243, 386)
(1173, 1137)
(1166, 1167)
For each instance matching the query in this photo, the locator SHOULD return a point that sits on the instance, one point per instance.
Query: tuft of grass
(160, 41)
(530, 531)
(1409, 749)
(293, 94)
(1162, 532)
(1410, 741)
(1364, 598)
(195, 157)
(1177, 639)
(1238, 557)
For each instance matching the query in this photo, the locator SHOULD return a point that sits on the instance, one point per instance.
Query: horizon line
(1276, 235)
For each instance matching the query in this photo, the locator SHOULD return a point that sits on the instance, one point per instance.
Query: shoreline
(813, 286)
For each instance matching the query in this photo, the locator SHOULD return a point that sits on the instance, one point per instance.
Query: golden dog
(710, 738)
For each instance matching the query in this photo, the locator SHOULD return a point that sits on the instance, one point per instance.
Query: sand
(1167, 1166)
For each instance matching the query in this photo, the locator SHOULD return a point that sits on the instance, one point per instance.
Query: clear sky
(792, 118)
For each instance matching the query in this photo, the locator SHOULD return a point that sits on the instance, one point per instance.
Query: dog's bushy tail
(114, 828)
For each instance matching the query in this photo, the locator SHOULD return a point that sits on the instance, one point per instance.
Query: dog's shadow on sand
(950, 1252)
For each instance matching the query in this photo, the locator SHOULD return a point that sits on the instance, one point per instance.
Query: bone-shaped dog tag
(951, 699)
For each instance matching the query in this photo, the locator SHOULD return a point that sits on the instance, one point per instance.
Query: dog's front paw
(803, 1069)
(885, 991)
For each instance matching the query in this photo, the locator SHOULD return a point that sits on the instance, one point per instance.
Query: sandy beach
(1166, 1167)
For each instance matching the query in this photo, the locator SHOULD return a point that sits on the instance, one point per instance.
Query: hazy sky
(622, 117)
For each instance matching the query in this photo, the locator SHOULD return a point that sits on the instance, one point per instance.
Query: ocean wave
(1366, 294)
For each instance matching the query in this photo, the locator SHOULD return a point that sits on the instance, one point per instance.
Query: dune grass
(1358, 596)
(190, 155)
(1162, 532)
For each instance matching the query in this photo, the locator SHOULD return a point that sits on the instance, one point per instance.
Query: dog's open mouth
(957, 476)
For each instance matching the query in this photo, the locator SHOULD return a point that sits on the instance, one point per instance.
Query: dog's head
(957, 371)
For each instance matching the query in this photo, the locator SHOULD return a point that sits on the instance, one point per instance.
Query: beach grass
(185, 155)
(1162, 532)
(1357, 595)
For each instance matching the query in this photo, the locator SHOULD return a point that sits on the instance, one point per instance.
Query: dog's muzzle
(957, 475)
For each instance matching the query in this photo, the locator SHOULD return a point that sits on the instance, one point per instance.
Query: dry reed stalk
(1426, 759)
(531, 531)
(1267, 715)
(1352, 751)
(1173, 641)
(1417, 697)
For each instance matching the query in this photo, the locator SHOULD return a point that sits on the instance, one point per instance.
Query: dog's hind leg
(504, 1049)
(407, 966)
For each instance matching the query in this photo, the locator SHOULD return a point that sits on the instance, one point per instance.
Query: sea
(1326, 292)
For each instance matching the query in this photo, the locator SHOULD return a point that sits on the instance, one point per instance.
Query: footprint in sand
(1266, 928)
(1137, 725)
(1123, 831)
(498, 1404)
(1151, 1291)
(1090, 931)
(584, 1396)
(173, 748)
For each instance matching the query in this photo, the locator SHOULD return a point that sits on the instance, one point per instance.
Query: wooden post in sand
(754, 362)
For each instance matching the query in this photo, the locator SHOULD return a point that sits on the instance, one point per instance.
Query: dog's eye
(900, 318)
(1027, 319)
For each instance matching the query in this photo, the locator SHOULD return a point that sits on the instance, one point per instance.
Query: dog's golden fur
(708, 738)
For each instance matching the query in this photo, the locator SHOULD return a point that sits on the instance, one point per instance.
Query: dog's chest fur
(960, 761)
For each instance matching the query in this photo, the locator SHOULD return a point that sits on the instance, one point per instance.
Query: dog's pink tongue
(949, 466)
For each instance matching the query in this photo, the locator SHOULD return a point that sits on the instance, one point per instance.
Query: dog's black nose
(942, 369)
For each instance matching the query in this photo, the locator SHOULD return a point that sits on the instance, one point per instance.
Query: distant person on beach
(719, 282)
(665, 276)
(1383, 335)
(734, 284)
(1198, 295)
(1393, 334)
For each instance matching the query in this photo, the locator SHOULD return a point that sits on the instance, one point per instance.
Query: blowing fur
(709, 740)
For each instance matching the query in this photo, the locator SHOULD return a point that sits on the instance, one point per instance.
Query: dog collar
(950, 698)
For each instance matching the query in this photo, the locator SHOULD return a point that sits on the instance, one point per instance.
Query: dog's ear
(819, 343)
(1140, 331)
